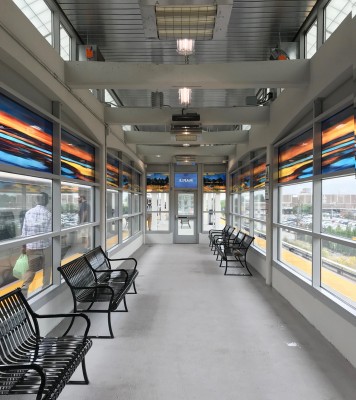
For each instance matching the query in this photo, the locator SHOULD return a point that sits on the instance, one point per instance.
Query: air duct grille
(186, 22)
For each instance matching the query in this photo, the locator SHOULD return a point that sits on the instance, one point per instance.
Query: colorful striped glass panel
(295, 158)
(338, 142)
(112, 171)
(245, 179)
(25, 137)
(259, 173)
(77, 158)
(126, 177)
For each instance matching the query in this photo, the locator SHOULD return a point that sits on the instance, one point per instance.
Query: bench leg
(243, 263)
(125, 304)
(70, 326)
(85, 375)
(109, 323)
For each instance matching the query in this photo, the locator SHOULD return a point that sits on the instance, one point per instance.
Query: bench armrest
(125, 259)
(68, 315)
(214, 230)
(105, 271)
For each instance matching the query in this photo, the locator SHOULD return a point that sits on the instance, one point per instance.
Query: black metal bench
(225, 247)
(236, 253)
(103, 267)
(216, 232)
(32, 364)
(224, 238)
(90, 286)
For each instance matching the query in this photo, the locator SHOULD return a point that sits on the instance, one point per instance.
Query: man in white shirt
(37, 220)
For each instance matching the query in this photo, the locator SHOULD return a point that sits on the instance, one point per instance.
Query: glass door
(185, 225)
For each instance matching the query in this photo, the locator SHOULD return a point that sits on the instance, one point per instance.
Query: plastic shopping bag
(20, 267)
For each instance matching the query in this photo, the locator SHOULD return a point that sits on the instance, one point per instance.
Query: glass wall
(335, 12)
(317, 205)
(123, 201)
(43, 228)
(77, 198)
(76, 211)
(25, 211)
(248, 200)
(214, 200)
(40, 15)
(157, 201)
(311, 40)
(48, 18)
(328, 15)
(65, 43)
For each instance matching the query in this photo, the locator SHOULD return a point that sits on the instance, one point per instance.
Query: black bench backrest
(229, 232)
(97, 259)
(17, 328)
(78, 274)
(238, 239)
(246, 243)
(222, 231)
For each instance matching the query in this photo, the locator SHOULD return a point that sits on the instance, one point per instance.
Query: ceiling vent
(186, 138)
(186, 117)
(199, 19)
(186, 128)
(185, 160)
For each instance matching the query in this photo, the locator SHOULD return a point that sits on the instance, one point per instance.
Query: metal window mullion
(274, 207)
(56, 31)
(316, 242)
(317, 195)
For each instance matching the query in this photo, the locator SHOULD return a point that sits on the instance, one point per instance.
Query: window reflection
(214, 211)
(126, 203)
(75, 243)
(245, 204)
(296, 205)
(38, 276)
(295, 250)
(157, 212)
(259, 204)
(260, 235)
(112, 234)
(339, 207)
(338, 272)
(18, 194)
(77, 205)
(112, 204)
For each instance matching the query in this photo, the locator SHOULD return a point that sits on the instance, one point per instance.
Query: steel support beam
(235, 75)
(209, 116)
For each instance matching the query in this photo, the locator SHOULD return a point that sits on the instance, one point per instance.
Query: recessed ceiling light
(185, 95)
(186, 144)
(185, 47)
(158, 155)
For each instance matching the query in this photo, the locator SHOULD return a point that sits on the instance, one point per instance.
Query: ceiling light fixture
(185, 96)
(185, 47)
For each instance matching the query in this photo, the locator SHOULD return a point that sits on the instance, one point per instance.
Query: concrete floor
(193, 333)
